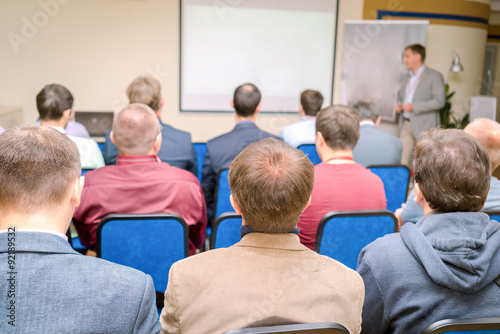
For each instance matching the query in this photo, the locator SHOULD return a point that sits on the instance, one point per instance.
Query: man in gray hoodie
(447, 265)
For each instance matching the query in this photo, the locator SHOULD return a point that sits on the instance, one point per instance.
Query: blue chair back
(312, 328)
(465, 326)
(85, 171)
(343, 234)
(201, 150)
(150, 243)
(222, 192)
(396, 179)
(226, 230)
(310, 151)
(494, 215)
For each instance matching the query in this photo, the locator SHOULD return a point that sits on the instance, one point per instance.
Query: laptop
(96, 122)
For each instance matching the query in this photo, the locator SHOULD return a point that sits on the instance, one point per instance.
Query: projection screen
(282, 46)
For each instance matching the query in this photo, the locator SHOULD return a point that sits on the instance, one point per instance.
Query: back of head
(339, 126)
(311, 101)
(135, 129)
(246, 99)
(146, 90)
(417, 49)
(367, 111)
(488, 133)
(272, 182)
(38, 166)
(52, 101)
(452, 169)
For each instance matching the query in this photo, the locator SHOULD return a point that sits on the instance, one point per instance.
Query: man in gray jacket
(420, 97)
(47, 287)
(445, 265)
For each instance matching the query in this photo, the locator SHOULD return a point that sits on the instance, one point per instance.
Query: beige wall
(96, 48)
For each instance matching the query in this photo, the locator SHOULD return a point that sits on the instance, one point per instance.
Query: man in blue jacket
(47, 287)
(176, 147)
(447, 265)
(222, 150)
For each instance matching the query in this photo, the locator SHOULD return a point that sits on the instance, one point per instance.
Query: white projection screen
(281, 46)
(372, 60)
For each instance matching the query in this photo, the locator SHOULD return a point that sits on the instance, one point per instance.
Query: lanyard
(340, 158)
(410, 87)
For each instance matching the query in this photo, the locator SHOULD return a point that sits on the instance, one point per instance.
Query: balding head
(488, 133)
(136, 130)
(271, 182)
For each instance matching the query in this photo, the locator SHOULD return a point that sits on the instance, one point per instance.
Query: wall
(96, 48)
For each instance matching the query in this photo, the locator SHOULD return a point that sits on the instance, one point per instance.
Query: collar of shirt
(366, 121)
(59, 234)
(59, 128)
(420, 70)
(244, 230)
(306, 118)
(136, 159)
(244, 122)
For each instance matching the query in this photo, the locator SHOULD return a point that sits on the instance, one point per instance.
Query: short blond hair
(38, 166)
(135, 129)
(145, 90)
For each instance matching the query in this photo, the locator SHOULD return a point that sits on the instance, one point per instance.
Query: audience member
(76, 129)
(268, 278)
(488, 133)
(304, 131)
(445, 265)
(55, 104)
(223, 149)
(374, 147)
(420, 96)
(340, 184)
(140, 182)
(52, 288)
(176, 148)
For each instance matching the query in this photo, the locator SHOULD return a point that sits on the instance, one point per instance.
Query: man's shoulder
(431, 73)
(170, 131)
(374, 132)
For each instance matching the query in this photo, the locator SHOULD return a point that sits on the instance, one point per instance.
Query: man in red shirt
(140, 182)
(340, 184)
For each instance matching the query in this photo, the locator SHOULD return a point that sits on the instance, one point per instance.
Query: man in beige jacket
(268, 278)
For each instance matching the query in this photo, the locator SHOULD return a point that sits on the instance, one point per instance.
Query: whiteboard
(372, 60)
(281, 46)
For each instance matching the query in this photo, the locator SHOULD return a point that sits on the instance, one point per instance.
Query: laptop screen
(96, 122)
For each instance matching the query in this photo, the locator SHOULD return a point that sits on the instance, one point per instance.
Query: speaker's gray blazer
(57, 290)
(428, 99)
(377, 147)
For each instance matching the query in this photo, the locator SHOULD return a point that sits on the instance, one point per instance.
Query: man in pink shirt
(340, 184)
(140, 182)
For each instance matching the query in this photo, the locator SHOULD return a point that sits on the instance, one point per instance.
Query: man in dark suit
(176, 148)
(222, 150)
(47, 287)
(420, 98)
(374, 147)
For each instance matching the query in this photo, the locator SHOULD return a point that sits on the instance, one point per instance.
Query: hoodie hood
(459, 250)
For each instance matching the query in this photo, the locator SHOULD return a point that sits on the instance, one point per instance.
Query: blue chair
(396, 179)
(313, 328)
(310, 151)
(465, 326)
(226, 230)
(201, 150)
(85, 171)
(101, 146)
(222, 203)
(150, 243)
(343, 234)
(494, 215)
